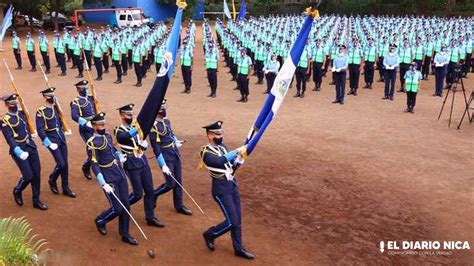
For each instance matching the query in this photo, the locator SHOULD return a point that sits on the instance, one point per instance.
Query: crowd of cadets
(381, 45)
(123, 49)
(435, 45)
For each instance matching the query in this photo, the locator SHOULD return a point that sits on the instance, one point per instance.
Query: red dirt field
(324, 186)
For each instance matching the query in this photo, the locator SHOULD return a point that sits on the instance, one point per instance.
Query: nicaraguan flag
(279, 89)
(242, 11)
(6, 23)
(226, 10)
(147, 115)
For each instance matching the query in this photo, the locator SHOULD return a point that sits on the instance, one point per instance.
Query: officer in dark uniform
(165, 146)
(51, 132)
(111, 177)
(23, 151)
(222, 165)
(82, 111)
(136, 166)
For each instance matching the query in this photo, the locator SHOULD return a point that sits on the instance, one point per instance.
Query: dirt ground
(325, 185)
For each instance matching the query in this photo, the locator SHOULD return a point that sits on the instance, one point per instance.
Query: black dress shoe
(130, 240)
(53, 186)
(213, 95)
(98, 78)
(302, 95)
(155, 222)
(341, 102)
(244, 254)
(101, 228)
(40, 205)
(385, 98)
(62, 74)
(106, 71)
(68, 193)
(209, 240)
(47, 72)
(391, 98)
(18, 198)
(87, 173)
(297, 95)
(117, 81)
(184, 211)
(335, 101)
(124, 74)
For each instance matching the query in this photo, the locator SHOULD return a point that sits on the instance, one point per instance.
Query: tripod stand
(468, 106)
(454, 89)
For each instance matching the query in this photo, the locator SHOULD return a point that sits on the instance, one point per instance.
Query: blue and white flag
(6, 23)
(226, 10)
(147, 115)
(242, 11)
(279, 89)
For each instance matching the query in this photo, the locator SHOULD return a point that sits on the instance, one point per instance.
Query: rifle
(31, 128)
(89, 79)
(66, 128)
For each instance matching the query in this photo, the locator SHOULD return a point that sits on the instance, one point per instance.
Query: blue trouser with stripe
(175, 167)
(142, 180)
(61, 168)
(86, 133)
(227, 195)
(121, 190)
(30, 170)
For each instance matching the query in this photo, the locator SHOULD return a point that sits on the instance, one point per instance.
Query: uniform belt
(219, 178)
(88, 117)
(22, 141)
(52, 129)
(171, 145)
(108, 165)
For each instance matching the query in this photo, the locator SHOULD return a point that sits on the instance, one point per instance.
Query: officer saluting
(165, 146)
(82, 111)
(222, 165)
(23, 151)
(51, 132)
(111, 178)
(136, 166)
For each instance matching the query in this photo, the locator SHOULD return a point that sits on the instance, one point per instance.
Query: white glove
(179, 143)
(166, 170)
(240, 150)
(107, 188)
(24, 155)
(123, 158)
(53, 146)
(89, 124)
(240, 160)
(144, 144)
(68, 133)
(34, 135)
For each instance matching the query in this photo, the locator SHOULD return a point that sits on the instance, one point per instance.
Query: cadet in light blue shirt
(391, 63)
(271, 69)
(441, 61)
(339, 65)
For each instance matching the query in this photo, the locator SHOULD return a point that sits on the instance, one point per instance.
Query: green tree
(17, 244)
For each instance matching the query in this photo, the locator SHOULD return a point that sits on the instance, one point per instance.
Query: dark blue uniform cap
(215, 127)
(48, 92)
(127, 109)
(10, 98)
(99, 119)
(81, 83)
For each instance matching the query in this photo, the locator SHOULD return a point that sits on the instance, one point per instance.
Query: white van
(130, 18)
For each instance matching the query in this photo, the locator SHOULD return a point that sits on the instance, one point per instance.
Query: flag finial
(181, 4)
